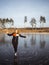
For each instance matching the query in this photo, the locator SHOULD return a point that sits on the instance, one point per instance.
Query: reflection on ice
(35, 48)
(42, 41)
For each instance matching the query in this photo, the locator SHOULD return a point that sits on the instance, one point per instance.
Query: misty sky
(17, 9)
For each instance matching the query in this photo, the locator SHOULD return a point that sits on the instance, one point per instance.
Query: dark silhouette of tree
(42, 20)
(0, 19)
(11, 20)
(33, 22)
(4, 21)
(25, 21)
(0, 22)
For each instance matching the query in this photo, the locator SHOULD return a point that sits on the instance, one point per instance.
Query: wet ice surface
(34, 50)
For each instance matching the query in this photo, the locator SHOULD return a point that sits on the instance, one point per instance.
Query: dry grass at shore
(26, 30)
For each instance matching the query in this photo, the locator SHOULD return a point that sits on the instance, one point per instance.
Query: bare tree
(33, 22)
(0, 22)
(4, 21)
(25, 20)
(42, 21)
(11, 20)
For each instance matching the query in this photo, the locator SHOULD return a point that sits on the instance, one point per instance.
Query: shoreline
(26, 30)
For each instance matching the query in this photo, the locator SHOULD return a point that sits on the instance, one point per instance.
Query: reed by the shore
(26, 30)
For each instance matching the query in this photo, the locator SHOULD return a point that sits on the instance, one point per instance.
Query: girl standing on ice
(15, 39)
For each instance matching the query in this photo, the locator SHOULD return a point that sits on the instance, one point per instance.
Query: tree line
(33, 21)
(4, 21)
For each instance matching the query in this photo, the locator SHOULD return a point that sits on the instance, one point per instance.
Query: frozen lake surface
(34, 50)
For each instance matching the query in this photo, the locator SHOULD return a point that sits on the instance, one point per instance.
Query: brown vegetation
(25, 30)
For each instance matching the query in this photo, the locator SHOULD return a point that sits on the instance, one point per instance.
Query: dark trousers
(15, 45)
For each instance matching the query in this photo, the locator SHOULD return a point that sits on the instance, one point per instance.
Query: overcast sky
(17, 9)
